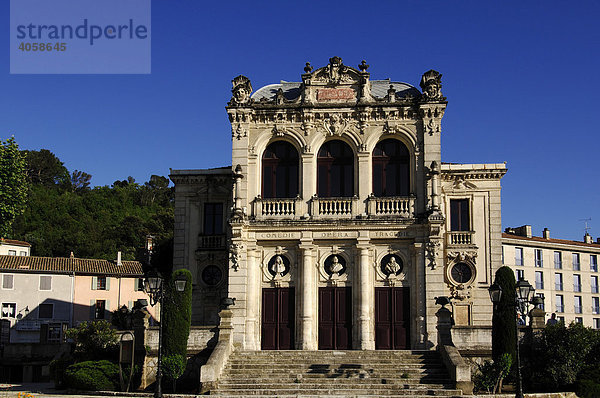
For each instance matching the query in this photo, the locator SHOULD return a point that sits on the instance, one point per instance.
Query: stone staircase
(335, 373)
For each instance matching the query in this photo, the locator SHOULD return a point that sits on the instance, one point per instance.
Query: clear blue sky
(522, 81)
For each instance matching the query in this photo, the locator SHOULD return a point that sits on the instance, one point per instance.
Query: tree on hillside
(13, 184)
(503, 320)
(63, 217)
(80, 181)
(44, 168)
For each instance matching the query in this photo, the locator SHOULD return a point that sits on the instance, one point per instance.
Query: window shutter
(136, 283)
(107, 283)
(92, 309)
(94, 282)
(130, 304)
(107, 310)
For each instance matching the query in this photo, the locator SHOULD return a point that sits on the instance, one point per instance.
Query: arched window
(280, 171)
(391, 169)
(335, 170)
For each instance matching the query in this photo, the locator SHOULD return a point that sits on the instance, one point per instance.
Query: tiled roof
(557, 241)
(69, 265)
(13, 242)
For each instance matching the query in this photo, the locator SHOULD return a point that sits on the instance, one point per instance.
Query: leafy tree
(44, 168)
(80, 181)
(503, 319)
(177, 314)
(92, 223)
(94, 340)
(13, 184)
(559, 356)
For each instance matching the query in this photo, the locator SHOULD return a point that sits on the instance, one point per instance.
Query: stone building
(563, 272)
(337, 225)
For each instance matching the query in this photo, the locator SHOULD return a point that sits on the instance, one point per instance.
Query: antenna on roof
(587, 228)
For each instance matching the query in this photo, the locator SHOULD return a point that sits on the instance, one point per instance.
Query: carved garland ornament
(234, 255)
(431, 249)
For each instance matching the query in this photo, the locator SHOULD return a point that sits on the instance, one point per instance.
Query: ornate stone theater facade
(337, 225)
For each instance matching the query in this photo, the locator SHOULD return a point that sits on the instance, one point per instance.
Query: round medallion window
(212, 275)
(461, 273)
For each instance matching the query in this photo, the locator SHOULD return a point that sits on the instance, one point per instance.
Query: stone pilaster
(253, 302)
(308, 294)
(366, 297)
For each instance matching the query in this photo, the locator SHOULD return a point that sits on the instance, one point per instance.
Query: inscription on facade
(390, 234)
(336, 234)
(278, 235)
(324, 94)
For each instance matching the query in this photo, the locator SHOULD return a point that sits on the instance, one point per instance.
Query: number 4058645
(43, 46)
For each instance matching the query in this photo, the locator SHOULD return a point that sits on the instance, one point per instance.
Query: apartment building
(563, 272)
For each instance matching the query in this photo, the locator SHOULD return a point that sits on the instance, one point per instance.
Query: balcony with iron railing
(399, 206)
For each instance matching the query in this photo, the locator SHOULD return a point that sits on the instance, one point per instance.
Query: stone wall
(201, 338)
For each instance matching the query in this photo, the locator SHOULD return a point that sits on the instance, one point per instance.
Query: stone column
(366, 298)
(308, 288)
(252, 302)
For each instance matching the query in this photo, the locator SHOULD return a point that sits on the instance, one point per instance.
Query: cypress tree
(503, 320)
(177, 313)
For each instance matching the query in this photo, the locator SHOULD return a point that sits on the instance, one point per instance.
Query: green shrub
(177, 313)
(94, 340)
(503, 320)
(173, 367)
(93, 376)
(490, 375)
(588, 382)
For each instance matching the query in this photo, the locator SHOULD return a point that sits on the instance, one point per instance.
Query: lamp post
(154, 287)
(524, 291)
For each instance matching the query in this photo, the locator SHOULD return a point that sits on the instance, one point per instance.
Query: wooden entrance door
(278, 318)
(392, 318)
(335, 318)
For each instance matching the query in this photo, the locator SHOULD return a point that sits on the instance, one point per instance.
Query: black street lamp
(524, 291)
(154, 287)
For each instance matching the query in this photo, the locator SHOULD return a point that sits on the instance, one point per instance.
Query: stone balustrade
(460, 238)
(403, 206)
(276, 208)
(211, 242)
(334, 207)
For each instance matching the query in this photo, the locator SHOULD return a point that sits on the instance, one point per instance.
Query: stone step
(357, 384)
(379, 392)
(335, 360)
(300, 367)
(391, 379)
(336, 373)
(343, 354)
